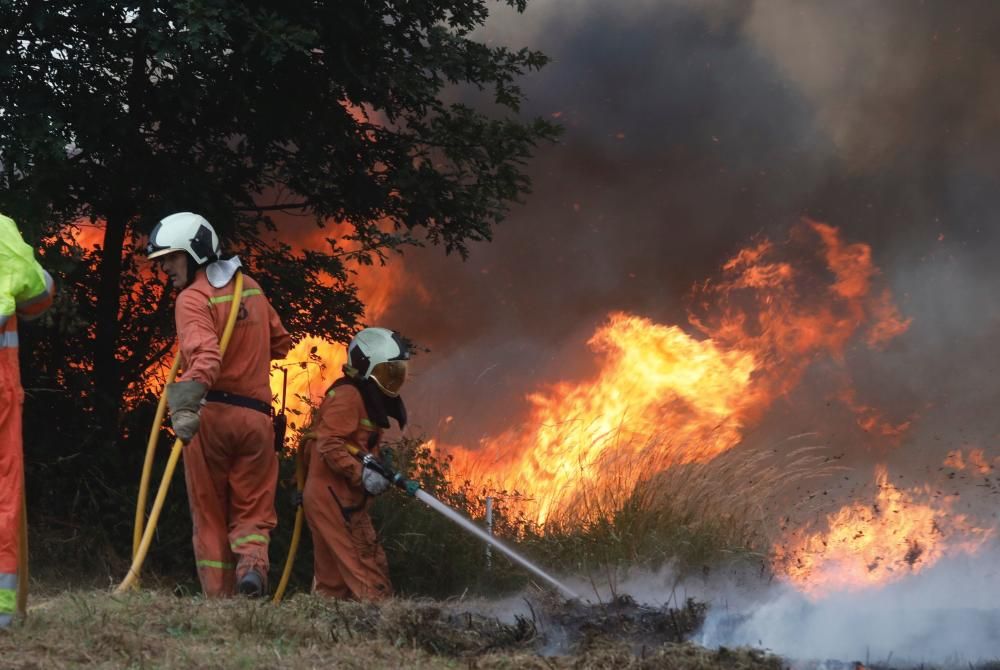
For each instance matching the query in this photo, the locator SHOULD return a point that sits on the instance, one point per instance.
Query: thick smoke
(690, 127)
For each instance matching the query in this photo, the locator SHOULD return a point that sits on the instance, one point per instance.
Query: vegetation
(147, 629)
(694, 520)
(338, 128)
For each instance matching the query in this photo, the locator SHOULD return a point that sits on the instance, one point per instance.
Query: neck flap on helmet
(379, 406)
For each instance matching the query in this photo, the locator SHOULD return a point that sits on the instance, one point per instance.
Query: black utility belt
(239, 401)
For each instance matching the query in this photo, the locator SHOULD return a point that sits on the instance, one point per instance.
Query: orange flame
(654, 378)
(871, 545)
(976, 460)
(314, 363)
(871, 420)
(774, 309)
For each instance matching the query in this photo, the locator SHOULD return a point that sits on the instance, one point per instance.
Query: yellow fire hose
(175, 454)
(147, 465)
(293, 548)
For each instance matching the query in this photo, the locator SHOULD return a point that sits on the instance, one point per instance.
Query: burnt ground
(151, 629)
(156, 630)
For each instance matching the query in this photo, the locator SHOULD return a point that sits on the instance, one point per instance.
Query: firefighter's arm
(25, 288)
(197, 338)
(339, 417)
(38, 298)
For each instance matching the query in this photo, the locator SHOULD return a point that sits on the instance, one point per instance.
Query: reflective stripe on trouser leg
(253, 482)
(8, 597)
(206, 484)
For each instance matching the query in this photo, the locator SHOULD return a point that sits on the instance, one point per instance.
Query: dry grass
(737, 485)
(696, 514)
(154, 630)
(692, 510)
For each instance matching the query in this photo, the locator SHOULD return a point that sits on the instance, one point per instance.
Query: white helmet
(184, 231)
(379, 354)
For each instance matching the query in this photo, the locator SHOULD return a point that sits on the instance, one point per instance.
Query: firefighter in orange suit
(26, 291)
(348, 560)
(221, 407)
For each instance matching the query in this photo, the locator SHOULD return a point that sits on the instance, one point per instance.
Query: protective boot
(251, 585)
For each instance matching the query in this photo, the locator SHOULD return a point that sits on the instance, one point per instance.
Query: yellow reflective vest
(26, 289)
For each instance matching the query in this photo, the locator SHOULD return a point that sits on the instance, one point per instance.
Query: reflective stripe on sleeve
(246, 539)
(34, 306)
(229, 298)
(368, 424)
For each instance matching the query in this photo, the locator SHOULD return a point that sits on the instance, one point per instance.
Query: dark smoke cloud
(692, 126)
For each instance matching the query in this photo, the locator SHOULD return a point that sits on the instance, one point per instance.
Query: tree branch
(15, 30)
(273, 208)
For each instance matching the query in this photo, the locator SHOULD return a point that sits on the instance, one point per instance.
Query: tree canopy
(351, 113)
(346, 118)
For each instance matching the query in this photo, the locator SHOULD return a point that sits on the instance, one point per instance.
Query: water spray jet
(400, 482)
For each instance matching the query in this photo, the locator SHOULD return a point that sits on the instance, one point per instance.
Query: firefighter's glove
(296, 498)
(374, 481)
(184, 400)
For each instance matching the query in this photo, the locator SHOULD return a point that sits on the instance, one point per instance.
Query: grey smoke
(690, 127)
(946, 615)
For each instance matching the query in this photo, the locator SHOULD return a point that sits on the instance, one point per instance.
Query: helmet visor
(390, 376)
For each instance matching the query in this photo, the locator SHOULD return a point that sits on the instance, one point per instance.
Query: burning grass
(694, 518)
(151, 629)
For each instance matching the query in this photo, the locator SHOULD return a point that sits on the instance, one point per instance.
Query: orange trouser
(11, 479)
(232, 476)
(348, 561)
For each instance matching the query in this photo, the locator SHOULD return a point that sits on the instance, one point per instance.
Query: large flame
(867, 544)
(773, 310)
(655, 379)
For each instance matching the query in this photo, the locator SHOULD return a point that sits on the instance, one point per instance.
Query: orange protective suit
(25, 291)
(348, 561)
(230, 466)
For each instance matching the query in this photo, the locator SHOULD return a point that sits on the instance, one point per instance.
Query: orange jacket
(340, 420)
(258, 338)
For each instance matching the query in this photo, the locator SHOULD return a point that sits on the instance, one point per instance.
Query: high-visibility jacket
(25, 288)
(25, 291)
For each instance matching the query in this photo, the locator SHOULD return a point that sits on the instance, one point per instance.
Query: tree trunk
(107, 379)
